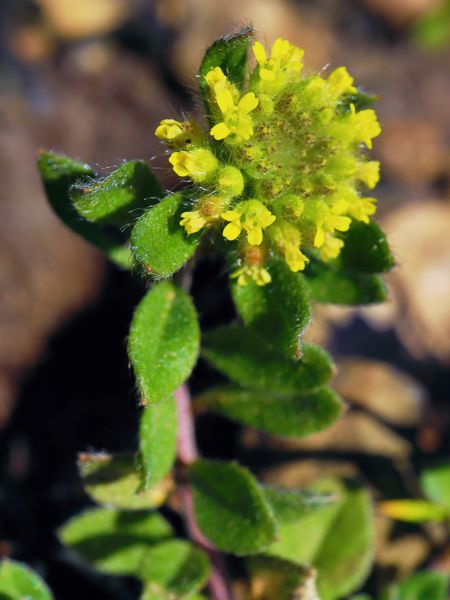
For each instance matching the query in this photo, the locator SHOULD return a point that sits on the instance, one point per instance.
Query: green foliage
(432, 31)
(297, 415)
(425, 585)
(230, 507)
(230, 54)
(115, 541)
(330, 285)
(279, 312)
(164, 341)
(436, 484)
(337, 540)
(281, 579)
(158, 243)
(176, 566)
(289, 505)
(58, 174)
(114, 481)
(19, 582)
(118, 198)
(366, 249)
(153, 591)
(157, 440)
(250, 361)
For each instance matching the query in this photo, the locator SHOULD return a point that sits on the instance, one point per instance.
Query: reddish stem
(218, 584)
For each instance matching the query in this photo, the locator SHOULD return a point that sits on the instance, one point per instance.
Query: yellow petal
(267, 75)
(319, 238)
(232, 231)
(260, 53)
(220, 131)
(224, 99)
(177, 160)
(248, 103)
(254, 236)
(280, 48)
(230, 215)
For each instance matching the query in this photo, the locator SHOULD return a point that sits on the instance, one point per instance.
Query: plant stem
(219, 584)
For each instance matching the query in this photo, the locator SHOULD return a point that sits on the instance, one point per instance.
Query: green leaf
(366, 249)
(296, 416)
(230, 508)
(157, 440)
(19, 582)
(119, 197)
(290, 504)
(436, 484)
(281, 580)
(115, 541)
(230, 54)
(427, 585)
(330, 286)
(58, 174)
(337, 540)
(115, 481)
(164, 341)
(176, 566)
(158, 242)
(432, 30)
(279, 312)
(252, 362)
(153, 591)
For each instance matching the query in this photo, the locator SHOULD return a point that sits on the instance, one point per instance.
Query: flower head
(282, 168)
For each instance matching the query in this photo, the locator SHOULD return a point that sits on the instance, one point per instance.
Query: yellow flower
(252, 216)
(340, 82)
(208, 209)
(257, 273)
(369, 173)
(362, 208)
(329, 221)
(288, 240)
(178, 134)
(236, 119)
(169, 129)
(285, 59)
(199, 164)
(331, 247)
(365, 125)
(192, 221)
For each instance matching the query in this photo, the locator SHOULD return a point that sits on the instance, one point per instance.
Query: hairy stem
(219, 584)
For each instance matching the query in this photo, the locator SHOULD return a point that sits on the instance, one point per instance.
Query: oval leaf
(295, 416)
(112, 200)
(252, 362)
(230, 508)
(58, 174)
(164, 341)
(115, 481)
(279, 312)
(158, 242)
(17, 582)
(176, 566)
(157, 440)
(114, 541)
(366, 249)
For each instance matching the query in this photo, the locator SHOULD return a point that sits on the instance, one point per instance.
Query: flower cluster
(283, 166)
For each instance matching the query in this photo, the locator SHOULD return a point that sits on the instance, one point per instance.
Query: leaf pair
(140, 544)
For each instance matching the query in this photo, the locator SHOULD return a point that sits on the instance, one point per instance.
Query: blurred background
(92, 78)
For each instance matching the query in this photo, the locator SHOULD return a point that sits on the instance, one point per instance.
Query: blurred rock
(381, 389)
(401, 12)
(302, 473)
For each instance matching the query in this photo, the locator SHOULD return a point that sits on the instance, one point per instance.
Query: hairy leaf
(296, 416)
(58, 174)
(427, 585)
(164, 341)
(250, 361)
(115, 541)
(19, 582)
(279, 312)
(157, 440)
(329, 285)
(366, 249)
(158, 242)
(230, 508)
(118, 198)
(114, 481)
(176, 566)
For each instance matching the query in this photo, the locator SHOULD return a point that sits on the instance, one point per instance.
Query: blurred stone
(401, 12)
(302, 473)
(355, 432)
(382, 389)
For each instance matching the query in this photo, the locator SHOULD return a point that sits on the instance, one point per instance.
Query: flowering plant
(275, 181)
